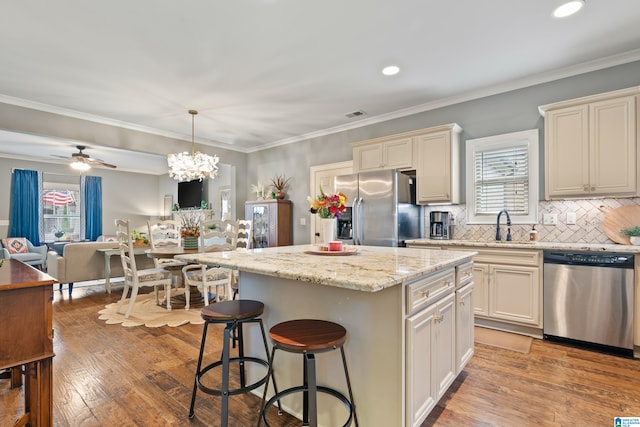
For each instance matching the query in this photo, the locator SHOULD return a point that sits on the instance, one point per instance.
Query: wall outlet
(571, 218)
(303, 221)
(550, 219)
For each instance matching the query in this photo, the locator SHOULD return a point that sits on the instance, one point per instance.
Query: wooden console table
(26, 336)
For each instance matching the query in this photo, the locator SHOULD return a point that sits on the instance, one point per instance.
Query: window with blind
(502, 173)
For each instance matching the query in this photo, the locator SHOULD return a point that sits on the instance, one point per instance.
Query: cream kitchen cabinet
(508, 285)
(438, 165)
(464, 315)
(383, 153)
(598, 134)
(431, 343)
(507, 290)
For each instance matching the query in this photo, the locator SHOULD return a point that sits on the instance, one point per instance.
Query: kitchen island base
(373, 347)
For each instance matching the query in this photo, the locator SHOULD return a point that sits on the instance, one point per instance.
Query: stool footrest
(302, 389)
(246, 388)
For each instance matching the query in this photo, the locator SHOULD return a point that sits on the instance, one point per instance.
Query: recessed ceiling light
(391, 70)
(568, 8)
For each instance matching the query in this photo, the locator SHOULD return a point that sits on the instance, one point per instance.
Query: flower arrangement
(190, 222)
(328, 205)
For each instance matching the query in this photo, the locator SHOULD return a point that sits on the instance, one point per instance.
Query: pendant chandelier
(187, 166)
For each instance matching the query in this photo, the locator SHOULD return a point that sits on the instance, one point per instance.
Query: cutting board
(617, 219)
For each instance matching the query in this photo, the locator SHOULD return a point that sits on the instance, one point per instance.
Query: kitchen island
(388, 299)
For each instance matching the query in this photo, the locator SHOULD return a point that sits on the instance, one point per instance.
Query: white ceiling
(269, 72)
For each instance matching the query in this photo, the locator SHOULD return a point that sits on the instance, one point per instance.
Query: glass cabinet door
(260, 218)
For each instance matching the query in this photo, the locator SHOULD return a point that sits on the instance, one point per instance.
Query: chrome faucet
(498, 237)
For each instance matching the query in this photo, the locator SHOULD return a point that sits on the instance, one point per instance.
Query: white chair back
(164, 233)
(244, 234)
(217, 235)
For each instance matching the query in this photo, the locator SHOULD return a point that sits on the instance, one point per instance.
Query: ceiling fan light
(568, 8)
(80, 166)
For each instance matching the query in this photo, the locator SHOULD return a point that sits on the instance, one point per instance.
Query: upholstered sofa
(82, 261)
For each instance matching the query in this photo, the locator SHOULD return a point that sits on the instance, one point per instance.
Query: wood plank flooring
(107, 375)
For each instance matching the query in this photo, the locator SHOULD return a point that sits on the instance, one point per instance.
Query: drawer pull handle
(439, 318)
(424, 294)
(461, 303)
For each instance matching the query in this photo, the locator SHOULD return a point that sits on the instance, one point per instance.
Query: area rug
(146, 312)
(505, 340)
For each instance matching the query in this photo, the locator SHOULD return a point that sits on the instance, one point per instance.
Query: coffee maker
(440, 225)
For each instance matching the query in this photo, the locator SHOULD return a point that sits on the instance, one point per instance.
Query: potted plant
(280, 183)
(139, 238)
(633, 233)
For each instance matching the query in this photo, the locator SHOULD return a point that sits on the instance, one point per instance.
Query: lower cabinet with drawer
(431, 343)
(507, 287)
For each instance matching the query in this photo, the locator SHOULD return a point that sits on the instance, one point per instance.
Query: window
(61, 205)
(502, 173)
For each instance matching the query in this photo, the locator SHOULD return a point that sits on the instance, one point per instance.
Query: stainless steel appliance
(588, 299)
(381, 209)
(440, 225)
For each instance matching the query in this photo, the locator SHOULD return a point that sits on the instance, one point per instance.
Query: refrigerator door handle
(360, 223)
(354, 220)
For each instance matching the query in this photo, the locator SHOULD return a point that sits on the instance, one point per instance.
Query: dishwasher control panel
(608, 259)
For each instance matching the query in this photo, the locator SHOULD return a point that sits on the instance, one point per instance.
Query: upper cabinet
(383, 153)
(438, 165)
(433, 153)
(591, 146)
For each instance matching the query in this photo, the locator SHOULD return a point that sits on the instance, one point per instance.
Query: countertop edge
(326, 280)
(538, 245)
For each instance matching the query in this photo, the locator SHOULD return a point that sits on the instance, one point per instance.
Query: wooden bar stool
(308, 337)
(234, 314)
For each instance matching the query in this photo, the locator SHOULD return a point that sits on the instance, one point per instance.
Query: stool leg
(266, 352)
(238, 331)
(346, 375)
(266, 385)
(195, 381)
(310, 395)
(225, 374)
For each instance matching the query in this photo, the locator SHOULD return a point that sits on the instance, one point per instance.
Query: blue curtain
(91, 187)
(26, 186)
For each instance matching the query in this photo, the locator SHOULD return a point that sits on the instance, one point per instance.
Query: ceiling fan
(82, 161)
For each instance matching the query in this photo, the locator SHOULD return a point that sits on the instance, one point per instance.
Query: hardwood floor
(108, 375)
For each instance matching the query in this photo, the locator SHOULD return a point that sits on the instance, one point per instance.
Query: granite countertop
(371, 269)
(597, 247)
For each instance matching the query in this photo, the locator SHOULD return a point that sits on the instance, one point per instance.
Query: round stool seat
(228, 311)
(302, 335)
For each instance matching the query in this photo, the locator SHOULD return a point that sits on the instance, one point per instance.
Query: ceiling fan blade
(101, 163)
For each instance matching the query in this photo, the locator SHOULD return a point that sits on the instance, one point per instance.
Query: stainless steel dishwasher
(588, 299)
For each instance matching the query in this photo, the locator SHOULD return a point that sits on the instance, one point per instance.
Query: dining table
(167, 252)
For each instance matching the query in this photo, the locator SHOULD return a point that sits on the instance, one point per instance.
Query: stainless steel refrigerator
(381, 209)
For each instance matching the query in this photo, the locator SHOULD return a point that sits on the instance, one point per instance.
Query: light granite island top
(399, 306)
(370, 269)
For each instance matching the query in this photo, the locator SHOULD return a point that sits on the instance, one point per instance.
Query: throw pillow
(15, 245)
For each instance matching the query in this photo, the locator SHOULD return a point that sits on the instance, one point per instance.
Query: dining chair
(134, 278)
(164, 234)
(244, 234)
(243, 242)
(215, 236)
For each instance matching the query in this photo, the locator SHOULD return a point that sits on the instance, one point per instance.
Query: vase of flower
(329, 229)
(190, 242)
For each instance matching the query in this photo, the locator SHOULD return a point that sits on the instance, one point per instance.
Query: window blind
(502, 180)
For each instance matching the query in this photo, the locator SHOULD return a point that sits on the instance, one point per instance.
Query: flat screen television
(190, 194)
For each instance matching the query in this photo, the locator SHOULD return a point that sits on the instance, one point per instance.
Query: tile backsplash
(587, 229)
